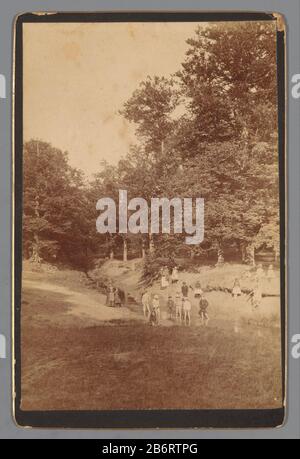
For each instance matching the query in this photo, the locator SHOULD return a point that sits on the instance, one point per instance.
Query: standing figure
(256, 297)
(221, 260)
(203, 306)
(152, 318)
(178, 306)
(146, 303)
(166, 271)
(170, 306)
(156, 309)
(117, 299)
(187, 307)
(198, 290)
(185, 290)
(111, 296)
(175, 275)
(236, 291)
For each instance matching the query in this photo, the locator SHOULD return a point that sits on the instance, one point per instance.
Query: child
(220, 260)
(257, 297)
(146, 303)
(198, 290)
(111, 296)
(203, 306)
(178, 306)
(236, 291)
(152, 318)
(175, 276)
(187, 307)
(170, 306)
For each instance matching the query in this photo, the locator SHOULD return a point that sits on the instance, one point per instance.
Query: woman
(117, 299)
(146, 303)
(155, 313)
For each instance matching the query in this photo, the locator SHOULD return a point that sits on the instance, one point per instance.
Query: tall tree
(229, 79)
(55, 219)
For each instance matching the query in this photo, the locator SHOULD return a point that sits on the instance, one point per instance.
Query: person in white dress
(146, 303)
(236, 291)
(198, 290)
(156, 307)
(175, 275)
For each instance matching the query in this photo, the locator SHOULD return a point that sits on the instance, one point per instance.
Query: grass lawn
(73, 363)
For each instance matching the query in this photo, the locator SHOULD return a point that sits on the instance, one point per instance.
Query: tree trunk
(243, 252)
(251, 255)
(125, 249)
(35, 256)
(151, 243)
(220, 253)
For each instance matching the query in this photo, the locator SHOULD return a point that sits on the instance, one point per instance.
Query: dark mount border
(127, 16)
(152, 418)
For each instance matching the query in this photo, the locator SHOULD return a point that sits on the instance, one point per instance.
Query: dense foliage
(208, 131)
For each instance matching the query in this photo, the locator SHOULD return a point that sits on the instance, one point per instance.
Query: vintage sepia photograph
(152, 218)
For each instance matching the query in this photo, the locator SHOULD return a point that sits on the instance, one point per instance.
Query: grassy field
(72, 361)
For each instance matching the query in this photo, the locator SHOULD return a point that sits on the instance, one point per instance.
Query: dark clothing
(118, 301)
(203, 304)
(153, 318)
(185, 291)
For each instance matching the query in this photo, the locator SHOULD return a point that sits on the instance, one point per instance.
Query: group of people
(179, 307)
(166, 278)
(255, 295)
(113, 298)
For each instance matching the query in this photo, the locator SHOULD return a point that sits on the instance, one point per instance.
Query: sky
(78, 76)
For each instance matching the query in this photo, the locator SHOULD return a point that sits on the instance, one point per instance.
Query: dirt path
(87, 304)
